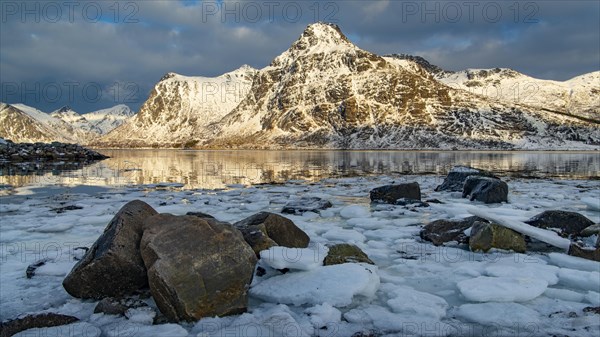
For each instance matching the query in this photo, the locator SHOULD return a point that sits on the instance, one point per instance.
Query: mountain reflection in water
(216, 169)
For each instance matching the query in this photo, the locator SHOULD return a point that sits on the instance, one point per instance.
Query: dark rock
(485, 189)
(590, 230)
(200, 215)
(411, 202)
(585, 253)
(312, 204)
(346, 253)
(115, 306)
(391, 193)
(196, 267)
(457, 176)
(569, 223)
(434, 201)
(113, 266)
(593, 310)
(45, 320)
(66, 208)
(485, 236)
(264, 230)
(34, 266)
(442, 231)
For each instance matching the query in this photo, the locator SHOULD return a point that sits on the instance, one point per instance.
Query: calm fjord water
(216, 169)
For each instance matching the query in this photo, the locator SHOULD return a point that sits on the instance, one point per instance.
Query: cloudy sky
(96, 54)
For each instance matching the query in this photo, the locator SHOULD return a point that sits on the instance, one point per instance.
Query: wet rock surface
(485, 189)
(206, 275)
(391, 193)
(442, 231)
(113, 266)
(457, 176)
(567, 223)
(485, 236)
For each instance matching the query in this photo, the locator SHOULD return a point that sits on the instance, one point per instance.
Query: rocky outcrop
(345, 253)
(45, 320)
(455, 180)
(46, 152)
(485, 189)
(485, 236)
(113, 266)
(206, 275)
(264, 230)
(442, 231)
(306, 204)
(567, 223)
(391, 193)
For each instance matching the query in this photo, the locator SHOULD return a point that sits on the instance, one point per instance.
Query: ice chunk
(344, 235)
(503, 314)
(587, 280)
(593, 297)
(294, 258)
(411, 301)
(530, 270)
(143, 315)
(79, 329)
(162, 330)
(592, 203)
(354, 211)
(266, 321)
(564, 294)
(573, 262)
(336, 285)
(322, 315)
(501, 289)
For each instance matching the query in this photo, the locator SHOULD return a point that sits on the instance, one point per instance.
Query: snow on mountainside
(579, 96)
(20, 127)
(179, 107)
(324, 92)
(63, 125)
(106, 120)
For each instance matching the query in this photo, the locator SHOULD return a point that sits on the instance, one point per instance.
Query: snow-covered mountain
(20, 127)
(64, 125)
(579, 96)
(181, 106)
(106, 120)
(325, 92)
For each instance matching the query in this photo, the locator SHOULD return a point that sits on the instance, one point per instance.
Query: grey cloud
(169, 36)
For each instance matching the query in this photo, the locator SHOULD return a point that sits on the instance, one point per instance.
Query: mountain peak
(321, 34)
(65, 108)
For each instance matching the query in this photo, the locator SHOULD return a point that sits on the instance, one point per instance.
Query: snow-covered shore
(422, 290)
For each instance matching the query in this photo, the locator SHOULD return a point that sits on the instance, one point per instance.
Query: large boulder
(485, 189)
(264, 230)
(308, 204)
(442, 231)
(391, 193)
(197, 267)
(485, 236)
(113, 266)
(457, 176)
(568, 223)
(345, 253)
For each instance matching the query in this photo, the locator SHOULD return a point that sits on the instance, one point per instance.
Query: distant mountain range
(21, 123)
(325, 92)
